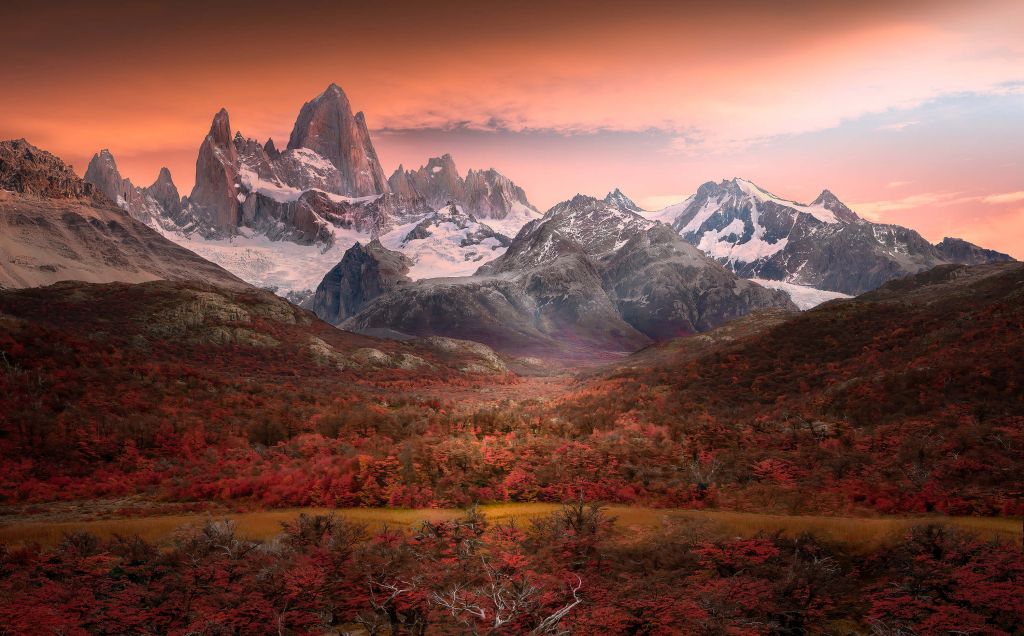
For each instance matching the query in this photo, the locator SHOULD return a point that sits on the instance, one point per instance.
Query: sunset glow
(912, 112)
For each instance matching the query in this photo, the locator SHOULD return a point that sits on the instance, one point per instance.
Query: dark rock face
(587, 277)
(364, 273)
(665, 287)
(823, 244)
(957, 250)
(487, 194)
(556, 309)
(26, 169)
(327, 126)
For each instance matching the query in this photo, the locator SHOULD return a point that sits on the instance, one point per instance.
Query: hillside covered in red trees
(906, 400)
(181, 396)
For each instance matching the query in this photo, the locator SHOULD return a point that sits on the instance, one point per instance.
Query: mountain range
(283, 219)
(589, 276)
(470, 256)
(824, 244)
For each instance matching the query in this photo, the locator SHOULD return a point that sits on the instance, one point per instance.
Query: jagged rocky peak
(492, 195)
(215, 194)
(831, 202)
(582, 224)
(327, 126)
(103, 173)
(271, 149)
(401, 183)
(165, 193)
(617, 198)
(28, 170)
(364, 273)
(488, 194)
(220, 128)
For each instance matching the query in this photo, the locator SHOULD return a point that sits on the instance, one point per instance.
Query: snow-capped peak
(617, 198)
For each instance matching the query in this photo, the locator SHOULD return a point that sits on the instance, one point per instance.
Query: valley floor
(854, 532)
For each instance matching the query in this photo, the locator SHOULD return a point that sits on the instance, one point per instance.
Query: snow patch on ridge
(803, 296)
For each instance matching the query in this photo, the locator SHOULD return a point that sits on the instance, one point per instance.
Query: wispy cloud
(898, 126)
(898, 184)
(1006, 197)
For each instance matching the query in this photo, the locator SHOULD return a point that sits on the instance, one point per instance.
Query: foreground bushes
(570, 572)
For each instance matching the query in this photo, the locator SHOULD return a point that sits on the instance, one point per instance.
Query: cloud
(875, 210)
(897, 184)
(1006, 197)
(898, 126)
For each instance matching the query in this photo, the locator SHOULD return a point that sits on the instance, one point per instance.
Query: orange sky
(912, 112)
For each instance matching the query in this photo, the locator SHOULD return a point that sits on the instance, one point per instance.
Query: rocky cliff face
(960, 251)
(214, 199)
(25, 169)
(665, 288)
(327, 126)
(558, 309)
(823, 244)
(364, 273)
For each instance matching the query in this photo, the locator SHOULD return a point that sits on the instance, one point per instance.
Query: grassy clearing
(866, 533)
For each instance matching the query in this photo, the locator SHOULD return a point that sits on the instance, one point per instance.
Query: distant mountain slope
(905, 398)
(823, 244)
(55, 227)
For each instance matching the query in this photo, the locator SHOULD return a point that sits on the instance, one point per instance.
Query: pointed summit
(165, 193)
(214, 192)
(832, 203)
(103, 173)
(617, 198)
(327, 126)
(271, 149)
(220, 129)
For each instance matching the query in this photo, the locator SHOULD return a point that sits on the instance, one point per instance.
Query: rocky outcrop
(102, 172)
(25, 169)
(327, 126)
(364, 273)
(960, 251)
(165, 193)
